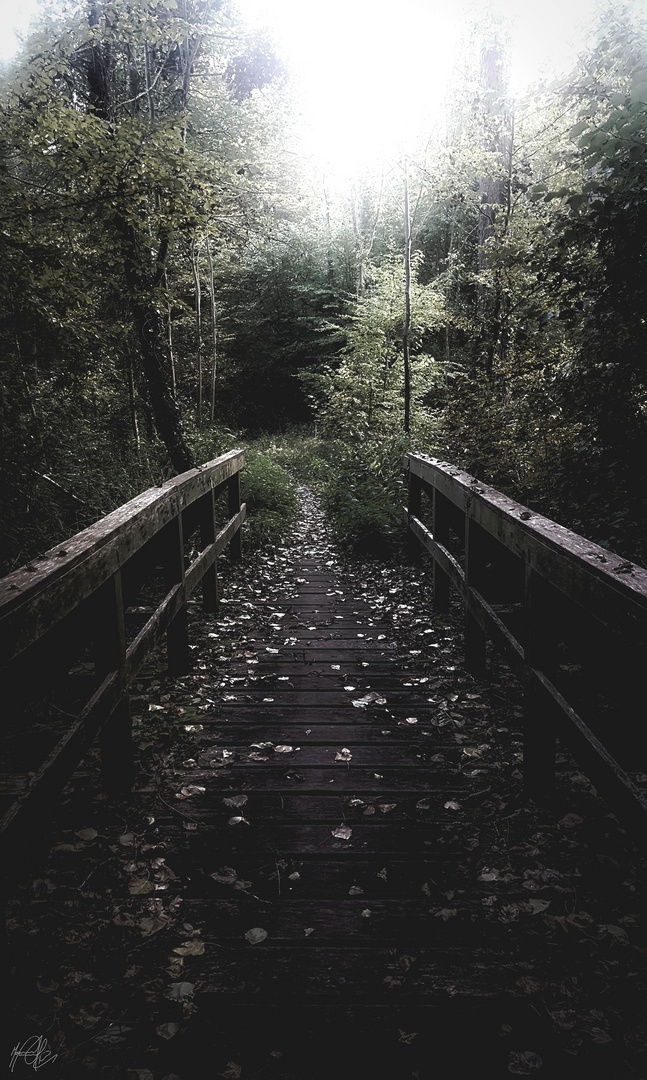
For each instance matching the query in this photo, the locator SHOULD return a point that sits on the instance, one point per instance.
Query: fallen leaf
(488, 875)
(422, 804)
(262, 745)
(343, 755)
(445, 913)
(236, 801)
(225, 875)
(308, 930)
(451, 804)
(382, 874)
(615, 931)
(256, 935)
(355, 890)
(86, 834)
(193, 728)
(167, 1031)
(369, 699)
(526, 1062)
(140, 886)
(255, 756)
(179, 991)
(404, 1038)
(127, 839)
(295, 876)
(387, 807)
(152, 924)
(190, 826)
(283, 749)
(194, 947)
(189, 790)
(232, 1071)
(342, 833)
(238, 821)
(538, 905)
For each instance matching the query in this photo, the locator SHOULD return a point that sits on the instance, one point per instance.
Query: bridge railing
(78, 624)
(569, 616)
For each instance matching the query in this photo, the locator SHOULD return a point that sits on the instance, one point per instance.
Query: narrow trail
(332, 871)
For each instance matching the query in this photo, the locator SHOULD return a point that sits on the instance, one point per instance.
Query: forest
(177, 281)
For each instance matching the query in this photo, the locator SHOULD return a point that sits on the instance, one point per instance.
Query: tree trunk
(195, 269)
(214, 336)
(493, 191)
(142, 278)
(407, 302)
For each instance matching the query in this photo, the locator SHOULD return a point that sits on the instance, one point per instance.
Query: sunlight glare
(370, 74)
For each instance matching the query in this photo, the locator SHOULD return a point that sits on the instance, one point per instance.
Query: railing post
(177, 634)
(207, 536)
(539, 729)
(475, 636)
(440, 532)
(115, 739)
(233, 488)
(414, 506)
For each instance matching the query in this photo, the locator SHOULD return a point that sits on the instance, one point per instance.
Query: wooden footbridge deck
(360, 882)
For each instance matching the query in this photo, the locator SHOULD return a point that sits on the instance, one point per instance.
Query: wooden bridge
(337, 834)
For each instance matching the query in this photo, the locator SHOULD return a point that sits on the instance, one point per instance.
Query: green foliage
(365, 495)
(271, 499)
(363, 396)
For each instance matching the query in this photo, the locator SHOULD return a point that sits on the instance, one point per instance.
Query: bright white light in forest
(370, 72)
(14, 20)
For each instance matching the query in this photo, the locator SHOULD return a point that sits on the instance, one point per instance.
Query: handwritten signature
(34, 1053)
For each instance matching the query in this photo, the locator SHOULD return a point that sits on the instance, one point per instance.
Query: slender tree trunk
(407, 302)
(329, 254)
(214, 335)
(169, 331)
(493, 191)
(133, 406)
(198, 323)
(149, 85)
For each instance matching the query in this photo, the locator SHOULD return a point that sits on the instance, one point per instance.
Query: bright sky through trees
(369, 72)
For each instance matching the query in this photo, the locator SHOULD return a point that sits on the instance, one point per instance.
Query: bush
(271, 498)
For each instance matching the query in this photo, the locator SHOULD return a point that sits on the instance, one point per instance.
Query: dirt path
(329, 868)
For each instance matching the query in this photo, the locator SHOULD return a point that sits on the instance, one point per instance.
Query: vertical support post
(440, 530)
(207, 536)
(233, 489)
(177, 635)
(414, 506)
(115, 739)
(539, 727)
(475, 636)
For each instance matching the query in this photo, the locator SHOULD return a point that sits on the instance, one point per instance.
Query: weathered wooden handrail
(76, 596)
(544, 596)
